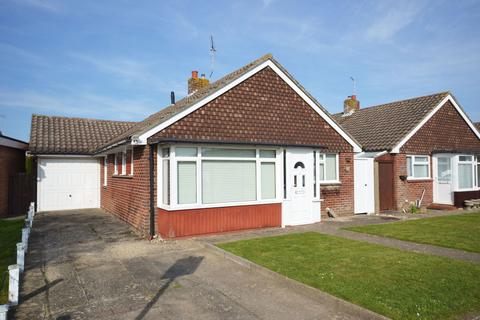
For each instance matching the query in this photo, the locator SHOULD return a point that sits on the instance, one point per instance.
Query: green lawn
(392, 282)
(458, 231)
(10, 234)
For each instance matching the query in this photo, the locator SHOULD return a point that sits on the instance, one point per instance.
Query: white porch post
(25, 238)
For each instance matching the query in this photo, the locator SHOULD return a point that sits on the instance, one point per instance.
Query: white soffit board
(430, 115)
(144, 136)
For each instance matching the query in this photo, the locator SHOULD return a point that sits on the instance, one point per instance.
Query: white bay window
(466, 172)
(209, 176)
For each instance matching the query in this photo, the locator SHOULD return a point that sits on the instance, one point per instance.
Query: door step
(438, 206)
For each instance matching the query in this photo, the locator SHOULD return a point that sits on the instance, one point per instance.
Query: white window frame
(131, 162)
(413, 162)
(198, 159)
(115, 167)
(105, 170)
(124, 162)
(322, 159)
(474, 164)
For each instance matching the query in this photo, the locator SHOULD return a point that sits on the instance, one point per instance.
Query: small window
(328, 166)
(418, 167)
(267, 154)
(185, 152)
(105, 170)
(228, 153)
(128, 164)
(165, 152)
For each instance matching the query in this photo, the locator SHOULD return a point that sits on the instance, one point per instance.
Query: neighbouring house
(12, 161)
(424, 148)
(253, 149)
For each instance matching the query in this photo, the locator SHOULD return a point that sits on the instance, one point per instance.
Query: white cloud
(393, 19)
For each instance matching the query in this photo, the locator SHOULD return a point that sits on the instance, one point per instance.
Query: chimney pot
(350, 105)
(194, 74)
(195, 83)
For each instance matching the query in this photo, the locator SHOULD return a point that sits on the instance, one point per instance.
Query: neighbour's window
(105, 170)
(328, 166)
(124, 162)
(477, 182)
(466, 172)
(115, 163)
(418, 167)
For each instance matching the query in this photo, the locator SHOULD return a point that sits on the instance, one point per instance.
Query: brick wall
(11, 161)
(129, 197)
(340, 197)
(410, 190)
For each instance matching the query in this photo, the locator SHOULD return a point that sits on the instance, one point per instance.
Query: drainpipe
(152, 192)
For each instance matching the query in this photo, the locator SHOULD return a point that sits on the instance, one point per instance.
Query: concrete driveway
(86, 264)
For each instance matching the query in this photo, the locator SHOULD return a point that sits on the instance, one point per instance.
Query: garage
(68, 183)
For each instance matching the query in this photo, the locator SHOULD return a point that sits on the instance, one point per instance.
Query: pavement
(86, 264)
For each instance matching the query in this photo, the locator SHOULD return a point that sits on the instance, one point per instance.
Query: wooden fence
(21, 191)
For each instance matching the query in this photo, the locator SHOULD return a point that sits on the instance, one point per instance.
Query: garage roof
(54, 135)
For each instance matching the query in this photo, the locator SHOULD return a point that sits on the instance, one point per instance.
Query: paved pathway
(333, 227)
(85, 264)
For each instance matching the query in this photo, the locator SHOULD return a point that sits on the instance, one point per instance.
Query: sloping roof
(12, 142)
(172, 110)
(53, 135)
(382, 127)
(477, 124)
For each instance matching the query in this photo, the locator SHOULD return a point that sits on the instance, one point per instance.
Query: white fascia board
(13, 143)
(63, 156)
(396, 149)
(142, 138)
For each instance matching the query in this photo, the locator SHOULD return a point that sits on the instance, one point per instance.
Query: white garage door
(68, 183)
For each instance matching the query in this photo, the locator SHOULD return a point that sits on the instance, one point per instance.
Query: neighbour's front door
(442, 170)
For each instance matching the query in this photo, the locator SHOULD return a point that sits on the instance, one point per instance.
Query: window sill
(122, 176)
(330, 183)
(419, 180)
(217, 205)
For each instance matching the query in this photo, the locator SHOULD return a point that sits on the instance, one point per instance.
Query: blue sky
(120, 59)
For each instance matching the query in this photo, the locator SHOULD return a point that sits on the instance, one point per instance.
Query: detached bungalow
(253, 149)
(424, 148)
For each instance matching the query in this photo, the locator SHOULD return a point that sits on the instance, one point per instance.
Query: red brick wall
(181, 223)
(445, 131)
(340, 198)
(129, 197)
(410, 190)
(11, 161)
(262, 109)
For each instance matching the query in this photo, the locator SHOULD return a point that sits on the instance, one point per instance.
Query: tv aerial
(212, 53)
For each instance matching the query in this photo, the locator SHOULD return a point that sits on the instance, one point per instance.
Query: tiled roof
(382, 127)
(53, 135)
(170, 111)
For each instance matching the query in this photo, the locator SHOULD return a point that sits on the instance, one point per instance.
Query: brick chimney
(195, 83)
(350, 105)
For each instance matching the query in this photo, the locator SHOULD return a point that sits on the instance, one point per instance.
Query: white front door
(68, 183)
(442, 184)
(364, 191)
(300, 207)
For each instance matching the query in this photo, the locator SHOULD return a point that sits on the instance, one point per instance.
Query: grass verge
(392, 282)
(456, 231)
(10, 234)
